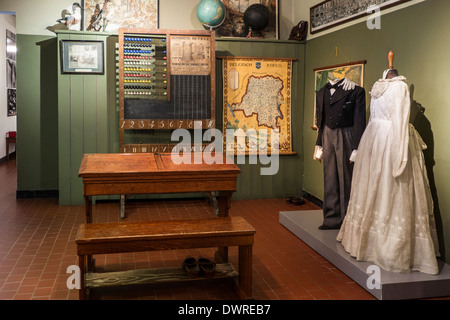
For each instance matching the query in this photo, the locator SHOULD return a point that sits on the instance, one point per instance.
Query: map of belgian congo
(257, 98)
(263, 98)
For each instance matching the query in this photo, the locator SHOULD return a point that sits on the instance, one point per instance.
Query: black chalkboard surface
(190, 98)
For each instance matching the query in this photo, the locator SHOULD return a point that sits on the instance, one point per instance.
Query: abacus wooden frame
(163, 124)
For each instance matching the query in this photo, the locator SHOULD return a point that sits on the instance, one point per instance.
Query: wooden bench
(104, 238)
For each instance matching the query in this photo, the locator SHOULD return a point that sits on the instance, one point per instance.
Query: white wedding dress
(390, 220)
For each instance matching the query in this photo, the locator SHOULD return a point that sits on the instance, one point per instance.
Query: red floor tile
(37, 244)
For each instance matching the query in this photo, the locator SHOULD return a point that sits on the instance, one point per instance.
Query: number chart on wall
(166, 82)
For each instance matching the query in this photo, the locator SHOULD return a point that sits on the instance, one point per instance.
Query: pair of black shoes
(200, 267)
(325, 227)
(295, 201)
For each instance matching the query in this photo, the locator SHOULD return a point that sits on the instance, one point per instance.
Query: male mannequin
(341, 120)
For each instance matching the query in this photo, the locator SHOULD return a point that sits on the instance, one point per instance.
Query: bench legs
(244, 288)
(82, 265)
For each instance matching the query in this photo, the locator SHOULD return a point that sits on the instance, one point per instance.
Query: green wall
(88, 118)
(37, 152)
(418, 36)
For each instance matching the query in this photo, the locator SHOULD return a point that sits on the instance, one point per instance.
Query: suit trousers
(338, 173)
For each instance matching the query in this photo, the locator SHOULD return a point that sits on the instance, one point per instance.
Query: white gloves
(353, 156)
(347, 84)
(318, 154)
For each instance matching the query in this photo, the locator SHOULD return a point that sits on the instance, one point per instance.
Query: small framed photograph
(82, 57)
(11, 96)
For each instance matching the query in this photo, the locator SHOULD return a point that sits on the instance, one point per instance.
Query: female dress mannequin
(390, 218)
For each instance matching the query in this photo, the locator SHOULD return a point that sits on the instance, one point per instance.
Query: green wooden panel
(84, 124)
(89, 112)
(89, 104)
(88, 119)
(76, 130)
(37, 111)
(28, 110)
(63, 137)
(49, 114)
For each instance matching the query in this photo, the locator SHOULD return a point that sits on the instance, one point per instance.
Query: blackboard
(190, 98)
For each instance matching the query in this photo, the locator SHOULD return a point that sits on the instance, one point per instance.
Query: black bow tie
(332, 86)
(336, 85)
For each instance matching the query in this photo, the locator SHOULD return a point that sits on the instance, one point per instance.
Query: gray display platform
(390, 285)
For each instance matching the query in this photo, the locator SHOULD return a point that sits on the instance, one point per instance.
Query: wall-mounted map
(257, 105)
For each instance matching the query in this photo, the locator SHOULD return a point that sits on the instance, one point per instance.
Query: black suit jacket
(346, 109)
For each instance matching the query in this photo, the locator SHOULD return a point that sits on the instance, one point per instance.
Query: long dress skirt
(390, 220)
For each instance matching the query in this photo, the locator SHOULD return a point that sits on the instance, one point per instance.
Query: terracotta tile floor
(37, 245)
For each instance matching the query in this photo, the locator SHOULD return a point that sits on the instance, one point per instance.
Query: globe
(211, 13)
(257, 17)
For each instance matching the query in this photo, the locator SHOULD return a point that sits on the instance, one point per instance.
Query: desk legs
(88, 205)
(123, 201)
(224, 203)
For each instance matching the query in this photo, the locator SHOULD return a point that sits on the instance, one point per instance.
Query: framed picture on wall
(234, 25)
(11, 54)
(331, 13)
(11, 48)
(82, 57)
(257, 97)
(10, 59)
(11, 102)
(353, 71)
(110, 15)
(10, 73)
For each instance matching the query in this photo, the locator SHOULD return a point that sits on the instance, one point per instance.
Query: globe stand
(249, 35)
(215, 27)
